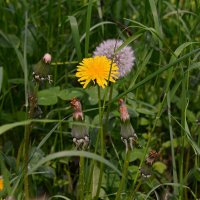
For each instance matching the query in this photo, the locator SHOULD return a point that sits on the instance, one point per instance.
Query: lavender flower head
(124, 58)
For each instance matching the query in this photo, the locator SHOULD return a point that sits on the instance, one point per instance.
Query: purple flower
(123, 58)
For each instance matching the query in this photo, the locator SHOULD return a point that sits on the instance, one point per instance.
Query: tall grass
(161, 92)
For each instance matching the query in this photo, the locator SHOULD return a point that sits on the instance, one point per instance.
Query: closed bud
(47, 58)
(41, 69)
(79, 131)
(128, 135)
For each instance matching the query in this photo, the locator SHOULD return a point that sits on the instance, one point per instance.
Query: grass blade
(76, 36)
(88, 22)
(62, 154)
(1, 77)
(159, 71)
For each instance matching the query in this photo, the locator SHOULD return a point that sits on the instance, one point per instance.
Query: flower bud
(79, 131)
(128, 135)
(41, 69)
(47, 58)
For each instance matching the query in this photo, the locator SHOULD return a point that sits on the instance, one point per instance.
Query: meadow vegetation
(133, 136)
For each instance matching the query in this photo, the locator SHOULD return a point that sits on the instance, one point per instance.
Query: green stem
(124, 175)
(175, 178)
(108, 109)
(183, 123)
(26, 160)
(101, 142)
(81, 176)
(27, 130)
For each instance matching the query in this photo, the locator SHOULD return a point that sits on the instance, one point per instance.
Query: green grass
(162, 94)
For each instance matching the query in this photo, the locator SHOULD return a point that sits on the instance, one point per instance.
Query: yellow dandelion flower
(1, 183)
(97, 69)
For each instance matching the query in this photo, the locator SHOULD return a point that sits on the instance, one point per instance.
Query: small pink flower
(47, 58)
(76, 105)
(123, 111)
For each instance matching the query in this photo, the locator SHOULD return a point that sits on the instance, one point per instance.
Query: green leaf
(159, 167)
(144, 121)
(68, 94)
(197, 174)
(48, 97)
(156, 73)
(158, 26)
(93, 94)
(136, 154)
(7, 127)
(145, 111)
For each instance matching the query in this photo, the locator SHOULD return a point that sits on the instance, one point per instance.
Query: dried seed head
(34, 110)
(124, 58)
(152, 157)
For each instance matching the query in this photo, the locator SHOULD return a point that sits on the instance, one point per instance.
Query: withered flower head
(152, 157)
(124, 58)
(34, 110)
(128, 135)
(145, 172)
(79, 131)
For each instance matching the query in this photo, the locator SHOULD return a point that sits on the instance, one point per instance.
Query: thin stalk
(183, 115)
(27, 129)
(90, 183)
(124, 175)
(81, 175)
(26, 160)
(108, 108)
(133, 189)
(187, 162)
(175, 178)
(101, 142)
(197, 162)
